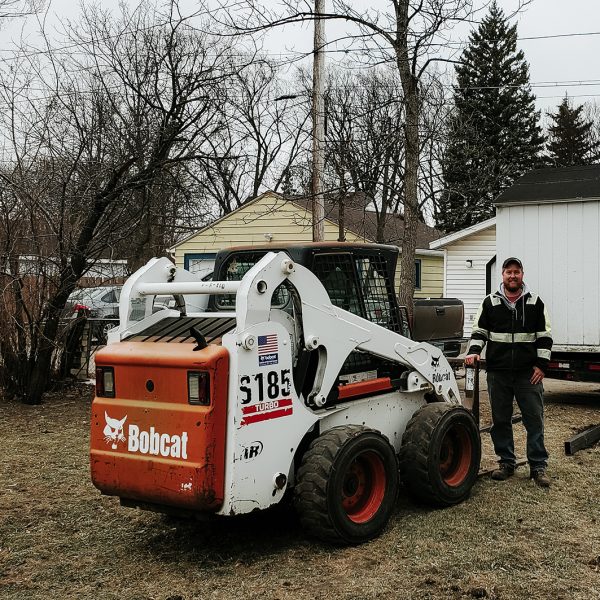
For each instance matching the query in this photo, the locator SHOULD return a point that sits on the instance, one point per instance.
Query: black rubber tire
(440, 454)
(347, 485)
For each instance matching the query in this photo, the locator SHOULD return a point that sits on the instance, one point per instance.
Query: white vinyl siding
(469, 283)
(559, 244)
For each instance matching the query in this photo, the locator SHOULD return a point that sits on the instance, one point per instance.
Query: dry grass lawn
(59, 538)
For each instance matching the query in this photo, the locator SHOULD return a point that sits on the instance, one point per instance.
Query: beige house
(272, 218)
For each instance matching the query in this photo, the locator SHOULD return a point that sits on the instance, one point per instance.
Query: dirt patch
(59, 538)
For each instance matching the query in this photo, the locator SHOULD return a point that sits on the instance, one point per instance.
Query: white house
(469, 266)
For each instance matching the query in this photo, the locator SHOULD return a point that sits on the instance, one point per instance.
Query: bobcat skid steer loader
(222, 412)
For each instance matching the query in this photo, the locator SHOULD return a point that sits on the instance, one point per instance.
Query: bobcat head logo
(435, 362)
(113, 432)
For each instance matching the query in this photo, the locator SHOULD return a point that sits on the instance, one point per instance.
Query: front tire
(440, 454)
(347, 485)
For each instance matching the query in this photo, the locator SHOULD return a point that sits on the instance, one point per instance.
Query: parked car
(98, 302)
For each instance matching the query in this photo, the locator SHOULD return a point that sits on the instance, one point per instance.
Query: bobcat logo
(435, 362)
(113, 432)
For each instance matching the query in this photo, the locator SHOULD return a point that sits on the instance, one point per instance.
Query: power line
(281, 55)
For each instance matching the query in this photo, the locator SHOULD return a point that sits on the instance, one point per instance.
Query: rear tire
(440, 454)
(347, 485)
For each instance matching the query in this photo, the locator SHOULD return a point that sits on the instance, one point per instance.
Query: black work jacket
(518, 337)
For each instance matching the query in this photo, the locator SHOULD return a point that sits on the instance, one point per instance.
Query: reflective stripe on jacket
(517, 338)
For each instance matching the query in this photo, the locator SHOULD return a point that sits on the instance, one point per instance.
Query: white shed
(469, 266)
(550, 219)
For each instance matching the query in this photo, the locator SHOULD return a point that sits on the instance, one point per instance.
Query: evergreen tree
(493, 132)
(570, 140)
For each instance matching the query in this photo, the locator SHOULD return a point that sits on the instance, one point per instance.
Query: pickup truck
(440, 322)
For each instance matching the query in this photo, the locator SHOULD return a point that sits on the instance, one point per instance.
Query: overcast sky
(563, 61)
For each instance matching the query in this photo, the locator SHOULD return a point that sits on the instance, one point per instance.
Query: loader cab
(358, 277)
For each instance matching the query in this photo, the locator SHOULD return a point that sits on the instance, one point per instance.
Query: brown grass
(59, 538)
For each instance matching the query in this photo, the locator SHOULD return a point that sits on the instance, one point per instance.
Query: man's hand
(471, 359)
(537, 376)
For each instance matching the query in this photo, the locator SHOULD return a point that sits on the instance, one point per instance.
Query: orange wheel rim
(363, 487)
(455, 456)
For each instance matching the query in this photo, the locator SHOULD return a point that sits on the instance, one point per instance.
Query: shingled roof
(553, 185)
(363, 222)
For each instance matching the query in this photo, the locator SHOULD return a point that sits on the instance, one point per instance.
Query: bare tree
(14, 9)
(409, 35)
(365, 145)
(261, 136)
(89, 137)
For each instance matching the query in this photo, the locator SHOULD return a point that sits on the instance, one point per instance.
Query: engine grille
(177, 330)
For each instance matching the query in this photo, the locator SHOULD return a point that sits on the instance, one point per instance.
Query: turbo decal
(264, 411)
(261, 394)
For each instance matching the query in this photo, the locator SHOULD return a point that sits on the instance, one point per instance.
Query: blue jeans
(503, 387)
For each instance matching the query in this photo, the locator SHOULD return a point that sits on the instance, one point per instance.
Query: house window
(199, 263)
(418, 274)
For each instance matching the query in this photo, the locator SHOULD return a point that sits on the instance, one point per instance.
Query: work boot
(540, 478)
(503, 472)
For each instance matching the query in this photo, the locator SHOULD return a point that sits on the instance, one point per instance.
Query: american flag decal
(267, 344)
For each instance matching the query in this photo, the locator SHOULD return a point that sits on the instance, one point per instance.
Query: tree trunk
(341, 218)
(410, 87)
(42, 368)
(411, 205)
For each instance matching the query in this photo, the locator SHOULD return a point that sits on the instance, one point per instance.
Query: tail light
(593, 367)
(78, 307)
(199, 388)
(554, 364)
(105, 382)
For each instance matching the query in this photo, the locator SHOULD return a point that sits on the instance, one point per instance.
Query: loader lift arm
(334, 333)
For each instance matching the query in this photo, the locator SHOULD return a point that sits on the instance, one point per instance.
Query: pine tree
(570, 141)
(493, 131)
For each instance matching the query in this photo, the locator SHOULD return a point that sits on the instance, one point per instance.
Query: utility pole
(318, 119)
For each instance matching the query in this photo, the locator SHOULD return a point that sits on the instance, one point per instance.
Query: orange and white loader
(224, 412)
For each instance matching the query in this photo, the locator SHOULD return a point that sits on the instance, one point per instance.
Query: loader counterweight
(148, 442)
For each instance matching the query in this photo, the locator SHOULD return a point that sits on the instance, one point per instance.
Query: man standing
(515, 325)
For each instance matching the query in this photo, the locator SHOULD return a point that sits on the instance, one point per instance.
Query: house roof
(357, 218)
(463, 233)
(363, 222)
(553, 185)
